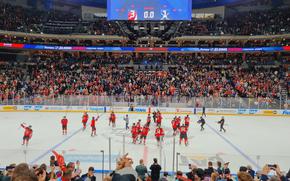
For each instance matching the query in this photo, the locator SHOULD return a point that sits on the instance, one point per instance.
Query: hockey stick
(21, 126)
(225, 124)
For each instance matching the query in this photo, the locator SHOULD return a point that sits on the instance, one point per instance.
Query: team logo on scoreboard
(132, 15)
(164, 15)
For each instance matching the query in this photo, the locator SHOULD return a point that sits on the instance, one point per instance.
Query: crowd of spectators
(56, 171)
(274, 21)
(16, 18)
(257, 83)
(124, 171)
(50, 75)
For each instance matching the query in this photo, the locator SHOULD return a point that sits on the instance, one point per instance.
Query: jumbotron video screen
(149, 10)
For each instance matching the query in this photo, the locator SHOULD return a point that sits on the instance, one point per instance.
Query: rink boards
(144, 110)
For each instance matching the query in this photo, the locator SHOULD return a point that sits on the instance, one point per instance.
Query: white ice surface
(249, 140)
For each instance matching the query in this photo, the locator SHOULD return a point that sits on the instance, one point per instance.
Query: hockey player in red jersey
(159, 133)
(144, 133)
(178, 119)
(64, 123)
(183, 134)
(134, 132)
(186, 121)
(158, 113)
(85, 120)
(27, 134)
(93, 126)
(112, 119)
(175, 125)
(139, 127)
(159, 119)
(148, 121)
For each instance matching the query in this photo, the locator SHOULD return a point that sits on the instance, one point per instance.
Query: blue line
(235, 147)
(54, 147)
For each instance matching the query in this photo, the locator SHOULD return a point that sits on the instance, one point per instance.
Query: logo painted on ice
(286, 112)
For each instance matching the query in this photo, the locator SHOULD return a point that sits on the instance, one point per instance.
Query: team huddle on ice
(139, 132)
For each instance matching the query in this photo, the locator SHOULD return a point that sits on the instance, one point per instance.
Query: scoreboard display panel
(158, 10)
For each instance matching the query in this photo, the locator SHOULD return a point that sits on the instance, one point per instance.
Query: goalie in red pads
(159, 134)
(27, 134)
(85, 119)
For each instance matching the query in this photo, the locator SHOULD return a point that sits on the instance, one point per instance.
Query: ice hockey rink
(249, 140)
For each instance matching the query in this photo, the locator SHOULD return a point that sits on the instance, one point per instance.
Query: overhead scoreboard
(155, 10)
